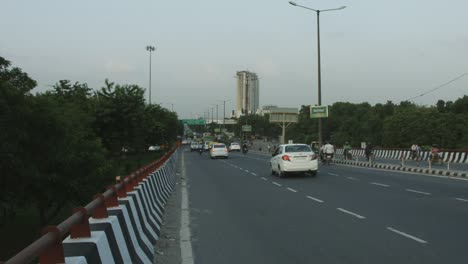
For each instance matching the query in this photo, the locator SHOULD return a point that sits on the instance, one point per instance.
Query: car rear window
(298, 148)
(219, 146)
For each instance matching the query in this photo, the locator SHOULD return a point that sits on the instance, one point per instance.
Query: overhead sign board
(217, 130)
(247, 128)
(319, 111)
(284, 115)
(200, 121)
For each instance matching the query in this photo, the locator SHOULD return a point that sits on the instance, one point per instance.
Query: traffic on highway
(342, 215)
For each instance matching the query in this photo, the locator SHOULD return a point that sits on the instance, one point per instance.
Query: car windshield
(298, 148)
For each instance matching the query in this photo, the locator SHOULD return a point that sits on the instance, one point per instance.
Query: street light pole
(224, 110)
(319, 72)
(150, 49)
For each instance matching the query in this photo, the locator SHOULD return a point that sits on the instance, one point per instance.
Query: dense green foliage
(62, 146)
(389, 125)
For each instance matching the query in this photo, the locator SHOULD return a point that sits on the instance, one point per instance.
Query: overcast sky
(372, 51)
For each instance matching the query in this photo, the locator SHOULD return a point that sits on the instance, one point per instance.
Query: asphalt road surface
(240, 213)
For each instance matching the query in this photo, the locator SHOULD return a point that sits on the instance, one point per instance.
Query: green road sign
(217, 130)
(318, 111)
(247, 128)
(200, 121)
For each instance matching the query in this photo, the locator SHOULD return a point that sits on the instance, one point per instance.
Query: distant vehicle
(235, 146)
(206, 146)
(154, 148)
(219, 150)
(290, 158)
(193, 146)
(184, 142)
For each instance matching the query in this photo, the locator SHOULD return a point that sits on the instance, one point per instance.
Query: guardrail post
(430, 164)
(100, 211)
(53, 254)
(112, 201)
(129, 184)
(448, 165)
(81, 229)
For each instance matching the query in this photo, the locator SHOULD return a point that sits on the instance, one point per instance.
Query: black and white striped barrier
(402, 168)
(129, 233)
(447, 156)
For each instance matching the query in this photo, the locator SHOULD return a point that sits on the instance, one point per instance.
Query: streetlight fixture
(150, 49)
(318, 57)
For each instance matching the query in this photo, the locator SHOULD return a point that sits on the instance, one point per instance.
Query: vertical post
(150, 77)
(217, 119)
(319, 77)
(224, 114)
(284, 130)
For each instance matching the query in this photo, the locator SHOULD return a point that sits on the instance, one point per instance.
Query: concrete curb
(402, 168)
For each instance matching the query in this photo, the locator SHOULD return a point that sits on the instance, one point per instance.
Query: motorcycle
(244, 150)
(328, 158)
(200, 151)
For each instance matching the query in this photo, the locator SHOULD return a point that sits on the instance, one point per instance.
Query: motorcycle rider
(328, 150)
(200, 147)
(244, 147)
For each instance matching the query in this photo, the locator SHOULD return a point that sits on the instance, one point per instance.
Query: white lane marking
(292, 190)
(315, 199)
(410, 190)
(380, 184)
(247, 171)
(333, 174)
(263, 178)
(352, 178)
(277, 184)
(185, 233)
(407, 235)
(351, 213)
(461, 199)
(253, 174)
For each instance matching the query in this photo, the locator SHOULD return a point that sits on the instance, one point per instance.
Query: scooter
(200, 151)
(328, 158)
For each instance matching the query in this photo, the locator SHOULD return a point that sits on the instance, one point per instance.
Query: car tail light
(286, 157)
(314, 157)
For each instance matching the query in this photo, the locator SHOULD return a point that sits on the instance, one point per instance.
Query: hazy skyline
(372, 51)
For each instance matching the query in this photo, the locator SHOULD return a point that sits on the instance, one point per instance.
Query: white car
(218, 150)
(235, 147)
(154, 148)
(294, 158)
(193, 146)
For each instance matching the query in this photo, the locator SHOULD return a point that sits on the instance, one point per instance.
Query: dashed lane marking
(380, 184)
(352, 178)
(407, 235)
(277, 184)
(351, 213)
(333, 174)
(265, 179)
(253, 174)
(411, 190)
(315, 199)
(292, 190)
(461, 199)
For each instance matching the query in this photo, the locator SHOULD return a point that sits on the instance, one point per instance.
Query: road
(240, 213)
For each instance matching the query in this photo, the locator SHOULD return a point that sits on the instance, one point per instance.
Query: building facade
(248, 93)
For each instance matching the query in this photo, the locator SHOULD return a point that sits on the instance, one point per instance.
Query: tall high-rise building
(248, 93)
